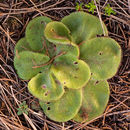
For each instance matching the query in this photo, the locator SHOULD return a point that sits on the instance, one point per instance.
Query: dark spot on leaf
(100, 53)
(65, 88)
(101, 35)
(48, 103)
(96, 82)
(40, 72)
(48, 108)
(57, 82)
(52, 30)
(55, 63)
(75, 77)
(54, 45)
(43, 86)
(64, 82)
(75, 62)
(46, 94)
(42, 22)
(91, 73)
(84, 113)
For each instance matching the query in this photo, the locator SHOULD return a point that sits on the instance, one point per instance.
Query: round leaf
(22, 45)
(65, 108)
(57, 32)
(83, 26)
(45, 87)
(103, 55)
(95, 99)
(68, 53)
(35, 33)
(26, 63)
(72, 75)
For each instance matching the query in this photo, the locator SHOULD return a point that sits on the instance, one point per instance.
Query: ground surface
(14, 16)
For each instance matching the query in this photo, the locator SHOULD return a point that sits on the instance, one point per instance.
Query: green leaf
(22, 45)
(19, 113)
(91, 6)
(109, 10)
(57, 33)
(65, 108)
(79, 7)
(103, 55)
(27, 64)
(46, 87)
(95, 98)
(68, 51)
(72, 75)
(23, 104)
(23, 108)
(26, 112)
(35, 33)
(83, 26)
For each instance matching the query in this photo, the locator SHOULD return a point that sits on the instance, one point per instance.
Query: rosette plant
(67, 64)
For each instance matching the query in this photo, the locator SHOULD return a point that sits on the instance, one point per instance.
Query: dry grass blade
(99, 15)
